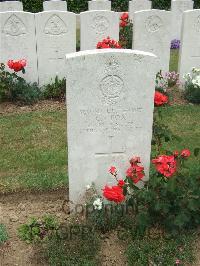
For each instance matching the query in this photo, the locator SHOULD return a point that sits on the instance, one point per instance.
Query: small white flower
(88, 187)
(98, 204)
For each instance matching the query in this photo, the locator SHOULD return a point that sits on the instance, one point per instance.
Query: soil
(17, 208)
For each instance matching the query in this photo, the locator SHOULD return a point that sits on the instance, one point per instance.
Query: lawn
(34, 153)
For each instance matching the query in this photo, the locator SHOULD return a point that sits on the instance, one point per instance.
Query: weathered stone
(110, 102)
(55, 5)
(99, 5)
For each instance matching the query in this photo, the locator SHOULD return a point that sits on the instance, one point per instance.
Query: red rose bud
(121, 183)
(176, 153)
(185, 153)
(113, 170)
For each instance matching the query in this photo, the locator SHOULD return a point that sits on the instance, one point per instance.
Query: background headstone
(55, 5)
(138, 5)
(56, 36)
(110, 102)
(97, 25)
(11, 6)
(151, 33)
(18, 41)
(99, 5)
(178, 7)
(190, 42)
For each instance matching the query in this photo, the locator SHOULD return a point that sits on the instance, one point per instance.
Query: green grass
(161, 250)
(174, 60)
(33, 151)
(3, 234)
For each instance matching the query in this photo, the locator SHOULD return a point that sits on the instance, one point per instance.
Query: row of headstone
(54, 35)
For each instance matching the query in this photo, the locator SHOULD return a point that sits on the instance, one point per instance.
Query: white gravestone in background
(97, 25)
(11, 6)
(178, 7)
(55, 5)
(99, 5)
(151, 33)
(110, 102)
(190, 48)
(18, 41)
(56, 36)
(138, 5)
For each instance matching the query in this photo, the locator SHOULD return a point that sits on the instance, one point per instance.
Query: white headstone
(178, 7)
(97, 25)
(110, 102)
(56, 36)
(138, 5)
(151, 33)
(11, 6)
(99, 5)
(18, 40)
(60, 5)
(190, 42)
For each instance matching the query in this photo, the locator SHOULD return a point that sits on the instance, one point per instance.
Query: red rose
(124, 16)
(114, 193)
(121, 183)
(135, 160)
(136, 173)
(108, 43)
(185, 153)
(17, 65)
(165, 165)
(123, 24)
(160, 99)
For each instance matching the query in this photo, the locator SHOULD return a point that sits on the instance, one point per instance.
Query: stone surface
(56, 36)
(18, 41)
(99, 5)
(97, 25)
(55, 5)
(138, 5)
(110, 102)
(151, 33)
(11, 6)
(178, 7)
(190, 40)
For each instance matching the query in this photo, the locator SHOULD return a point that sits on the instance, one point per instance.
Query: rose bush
(108, 43)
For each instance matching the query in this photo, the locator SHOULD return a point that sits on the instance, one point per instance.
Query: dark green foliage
(66, 249)
(37, 229)
(78, 6)
(158, 250)
(3, 234)
(192, 94)
(16, 89)
(55, 90)
(125, 36)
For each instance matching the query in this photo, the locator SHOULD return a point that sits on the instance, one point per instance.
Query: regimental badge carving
(153, 23)
(197, 24)
(100, 24)
(55, 26)
(14, 26)
(111, 88)
(112, 66)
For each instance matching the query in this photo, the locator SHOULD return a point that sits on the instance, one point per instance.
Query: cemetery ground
(33, 180)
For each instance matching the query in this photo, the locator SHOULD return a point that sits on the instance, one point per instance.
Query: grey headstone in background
(56, 36)
(152, 33)
(97, 25)
(190, 42)
(18, 41)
